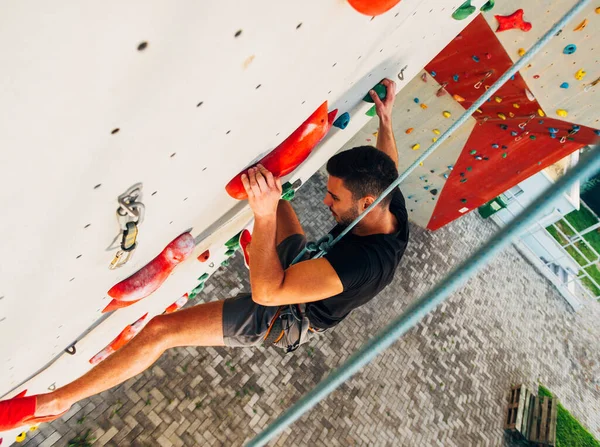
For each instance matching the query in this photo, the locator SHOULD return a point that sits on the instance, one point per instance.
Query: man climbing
(297, 300)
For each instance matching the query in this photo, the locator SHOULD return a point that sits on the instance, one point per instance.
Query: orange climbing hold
(409, 130)
(294, 150)
(502, 116)
(581, 26)
(130, 331)
(177, 304)
(424, 106)
(458, 98)
(521, 52)
(373, 7)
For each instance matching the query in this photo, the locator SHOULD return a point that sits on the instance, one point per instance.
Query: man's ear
(368, 201)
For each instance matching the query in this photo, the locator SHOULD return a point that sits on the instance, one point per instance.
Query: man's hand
(384, 108)
(264, 191)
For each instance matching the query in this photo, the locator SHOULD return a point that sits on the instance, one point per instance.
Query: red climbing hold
(116, 304)
(204, 256)
(130, 331)
(515, 20)
(177, 304)
(150, 277)
(373, 7)
(294, 150)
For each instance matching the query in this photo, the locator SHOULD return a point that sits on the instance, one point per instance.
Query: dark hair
(365, 171)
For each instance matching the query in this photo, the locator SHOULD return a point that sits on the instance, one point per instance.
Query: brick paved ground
(444, 384)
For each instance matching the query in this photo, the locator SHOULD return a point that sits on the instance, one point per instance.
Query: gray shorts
(245, 323)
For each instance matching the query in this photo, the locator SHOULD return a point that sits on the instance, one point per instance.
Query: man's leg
(200, 325)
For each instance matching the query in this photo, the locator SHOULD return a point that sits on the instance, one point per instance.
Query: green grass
(569, 432)
(581, 219)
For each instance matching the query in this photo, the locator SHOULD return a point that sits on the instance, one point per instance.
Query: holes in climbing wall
(185, 199)
(334, 64)
(299, 25)
(203, 169)
(228, 132)
(154, 193)
(258, 86)
(173, 154)
(72, 279)
(98, 186)
(238, 33)
(78, 256)
(114, 131)
(87, 226)
(142, 46)
(200, 103)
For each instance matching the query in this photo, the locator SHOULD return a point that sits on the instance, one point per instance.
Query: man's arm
(272, 286)
(386, 142)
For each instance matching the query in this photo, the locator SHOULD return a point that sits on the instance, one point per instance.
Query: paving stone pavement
(445, 383)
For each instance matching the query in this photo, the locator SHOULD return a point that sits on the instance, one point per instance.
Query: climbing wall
(530, 123)
(176, 98)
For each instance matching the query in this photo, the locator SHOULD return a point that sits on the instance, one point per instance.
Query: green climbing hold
(234, 242)
(532, 137)
(488, 6)
(473, 152)
(230, 252)
(225, 263)
(463, 180)
(287, 191)
(372, 111)
(504, 155)
(197, 289)
(469, 168)
(464, 11)
(203, 278)
(463, 200)
(381, 91)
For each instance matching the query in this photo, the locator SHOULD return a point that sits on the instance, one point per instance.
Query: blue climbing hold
(455, 77)
(475, 58)
(495, 146)
(504, 147)
(564, 85)
(416, 100)
(552, 135)
(570, 49)
(514, 133)
(426, 188)
(433, 73)
(541, 122)
(503, 126)
(342, 120)
(422, 178)
(512, 78)
(552, 130)
(451, 167)
(597, 132)
(445, 176)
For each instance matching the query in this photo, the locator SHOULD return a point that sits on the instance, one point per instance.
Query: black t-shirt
(365, 265)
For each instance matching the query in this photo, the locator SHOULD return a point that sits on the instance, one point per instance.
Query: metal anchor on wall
(130, 215)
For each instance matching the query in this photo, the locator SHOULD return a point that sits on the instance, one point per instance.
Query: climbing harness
(130, 214)
(419, 309)
(289, 328)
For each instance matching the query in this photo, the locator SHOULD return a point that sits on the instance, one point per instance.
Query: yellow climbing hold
(541, 112)
(521, 52)
(375, 134)
(502, 116)
(423, 106)
(479, 110)
(458, 98)
(21, 437)
(581, 26)
(436, 131)
(421, 164)
(516, 106)
(434, 139)
(409, 130)
(562, 112)
(512, 115)
(597, 10)
(446, 114)
(580, 74)
(498, 99)
(33, 427)
(416, 147)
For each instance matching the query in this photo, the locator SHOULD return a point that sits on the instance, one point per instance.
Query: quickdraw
(130, 214)
(480, 83)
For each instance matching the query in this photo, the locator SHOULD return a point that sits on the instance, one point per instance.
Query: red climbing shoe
(245, 239)
(20, 411)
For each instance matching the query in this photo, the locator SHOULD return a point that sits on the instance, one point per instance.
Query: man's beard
(348, 217)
